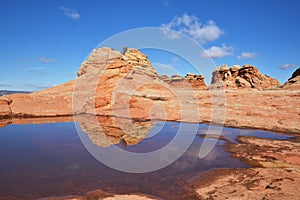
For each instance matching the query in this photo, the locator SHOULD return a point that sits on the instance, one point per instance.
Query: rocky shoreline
(275, 172)
(99, 194)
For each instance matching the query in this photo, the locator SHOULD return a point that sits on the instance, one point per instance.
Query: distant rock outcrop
(194, 81)
(295, 74)
(293, 82)
(247, 76)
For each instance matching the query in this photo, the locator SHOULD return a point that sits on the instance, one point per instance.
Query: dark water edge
(44, 160)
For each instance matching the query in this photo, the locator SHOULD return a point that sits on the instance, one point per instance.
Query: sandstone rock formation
(51, 102)
(193, 81)
(196, 81)
(295, 74)
(5, 111)
(293, 82)
(126, 85)
(106, 59)
(115, 84)
(247, 76)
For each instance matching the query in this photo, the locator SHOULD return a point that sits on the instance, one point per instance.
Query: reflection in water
(112, 130)
(42, 160)
(43, 120)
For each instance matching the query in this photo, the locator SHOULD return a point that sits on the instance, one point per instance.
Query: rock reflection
(104, 131)
(36, 120)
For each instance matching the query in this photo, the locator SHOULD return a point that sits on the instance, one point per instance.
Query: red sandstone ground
(275, 110)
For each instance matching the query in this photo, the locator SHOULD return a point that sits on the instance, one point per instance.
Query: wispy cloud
(191, 26)
(218, 52)
(46, 60)
(288, 66)
(247, 55)
(5, 85)
(36, 70)
(33, 69)
(37, 86)
(72, 14)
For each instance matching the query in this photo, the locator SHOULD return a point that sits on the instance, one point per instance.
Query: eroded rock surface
(190, 81)
(5, 110)
(52, 102)
(244, 184)
(126, 85)
(247, 76)
(278, 179)
(294, 82)
(267, 153)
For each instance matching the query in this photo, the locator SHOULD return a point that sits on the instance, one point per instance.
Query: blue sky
(44, 42)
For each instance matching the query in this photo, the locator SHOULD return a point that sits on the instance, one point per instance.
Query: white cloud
(288, 66)
(72, 14)
(247, 55)
(218, 52)
(34, 68)
(191, 26)
(47, 60)
(170, 34)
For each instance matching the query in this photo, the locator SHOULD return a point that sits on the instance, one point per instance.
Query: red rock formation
(126, 85)
(5, 111)
(52, 102)
(193, 81)
(109, 87)
(196, 81)
(246, 77)
(294, 82)
(256, 79)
